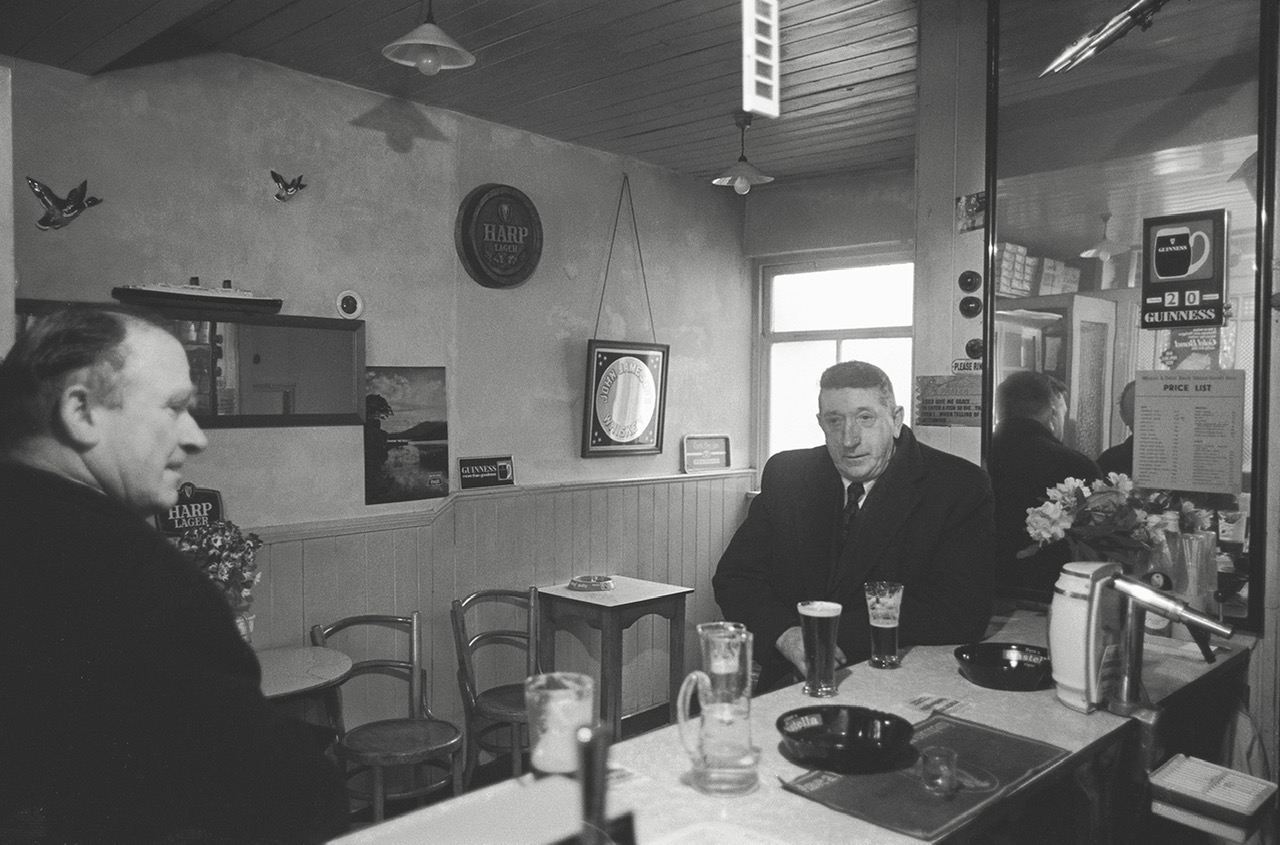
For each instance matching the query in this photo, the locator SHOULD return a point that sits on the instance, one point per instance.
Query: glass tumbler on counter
(819, 625)
(557, 703)
(884, 601)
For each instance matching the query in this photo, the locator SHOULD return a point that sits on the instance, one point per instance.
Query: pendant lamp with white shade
(742, 174)
(428, 48)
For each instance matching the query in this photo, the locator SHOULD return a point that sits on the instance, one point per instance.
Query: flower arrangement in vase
(1111, 520)
(226, 555)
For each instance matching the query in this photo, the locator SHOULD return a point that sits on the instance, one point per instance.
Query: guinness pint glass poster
(1184, 270)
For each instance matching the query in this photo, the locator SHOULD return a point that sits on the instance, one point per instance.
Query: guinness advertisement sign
(498, 236)
(487, 472)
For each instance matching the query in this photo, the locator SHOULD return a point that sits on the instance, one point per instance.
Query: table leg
(546, 635)
(611, 674)
(675, 661)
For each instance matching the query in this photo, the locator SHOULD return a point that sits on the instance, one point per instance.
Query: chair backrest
(471, 638)
(410, 670)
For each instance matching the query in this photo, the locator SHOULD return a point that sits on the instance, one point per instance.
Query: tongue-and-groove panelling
(669, 529)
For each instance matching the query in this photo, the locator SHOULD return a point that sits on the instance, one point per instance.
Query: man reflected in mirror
(1027, 456)
(1119, 458)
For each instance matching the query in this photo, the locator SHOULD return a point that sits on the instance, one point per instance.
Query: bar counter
(652, 781)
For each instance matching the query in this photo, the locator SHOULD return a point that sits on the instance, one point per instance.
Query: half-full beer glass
(884, 601)
(819, 624)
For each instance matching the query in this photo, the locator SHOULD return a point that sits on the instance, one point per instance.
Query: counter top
(652, 768)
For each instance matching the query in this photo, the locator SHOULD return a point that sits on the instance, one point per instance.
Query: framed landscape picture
(406, 434)
(625, 398)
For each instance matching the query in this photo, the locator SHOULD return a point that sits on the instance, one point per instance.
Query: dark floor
(499, 769)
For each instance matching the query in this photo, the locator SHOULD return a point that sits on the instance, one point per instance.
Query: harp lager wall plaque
(498, 236)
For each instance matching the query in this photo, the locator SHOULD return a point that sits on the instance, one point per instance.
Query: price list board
(1189, 430)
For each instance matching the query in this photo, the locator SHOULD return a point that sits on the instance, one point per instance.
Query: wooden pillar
(950, 162)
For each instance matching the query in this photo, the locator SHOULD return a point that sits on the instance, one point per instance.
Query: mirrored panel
(1160, 123)
(264, 371)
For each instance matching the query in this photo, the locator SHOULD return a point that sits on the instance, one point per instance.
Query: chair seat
(505, 703)
(396, 742)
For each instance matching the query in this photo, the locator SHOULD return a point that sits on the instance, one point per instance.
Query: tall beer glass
(884, 601)
(819, 623)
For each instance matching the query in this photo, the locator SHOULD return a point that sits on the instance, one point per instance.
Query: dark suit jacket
(130, 705)
(1118, 458)
(1025, 459)
(926, 523)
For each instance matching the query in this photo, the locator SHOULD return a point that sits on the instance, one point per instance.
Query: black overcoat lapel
(892, 500)
(816, 510)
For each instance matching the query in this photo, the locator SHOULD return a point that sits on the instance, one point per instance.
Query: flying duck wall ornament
(57, 211)
(285, 189)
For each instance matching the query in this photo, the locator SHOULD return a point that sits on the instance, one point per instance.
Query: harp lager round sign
(498, 236)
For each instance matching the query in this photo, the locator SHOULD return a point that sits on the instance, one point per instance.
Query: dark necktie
(850, 514)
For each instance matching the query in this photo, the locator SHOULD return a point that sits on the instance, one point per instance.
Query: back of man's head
(54, 349)
(1126, 403)
(856, 375)
(1027, 395)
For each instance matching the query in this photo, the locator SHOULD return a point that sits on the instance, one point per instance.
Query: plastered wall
(181, 154)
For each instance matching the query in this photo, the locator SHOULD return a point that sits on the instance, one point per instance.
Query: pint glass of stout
(819, 622)
(884, 600)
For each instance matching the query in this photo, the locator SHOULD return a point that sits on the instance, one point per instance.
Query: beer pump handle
(1201, 637)
(1167, 606)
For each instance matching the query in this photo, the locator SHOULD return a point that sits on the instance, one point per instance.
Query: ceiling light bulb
(429, 63)
(741, 185)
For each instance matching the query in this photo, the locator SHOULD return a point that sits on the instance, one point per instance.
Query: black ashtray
(1005, 666)
(846, 739)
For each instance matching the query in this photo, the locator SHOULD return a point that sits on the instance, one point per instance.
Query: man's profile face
(145, 441)
(860, 430)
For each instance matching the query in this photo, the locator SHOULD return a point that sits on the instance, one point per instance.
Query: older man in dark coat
(130, 706)
(922, 517)
(1027, 457)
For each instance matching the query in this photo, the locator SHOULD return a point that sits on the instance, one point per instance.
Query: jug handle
(689, 741)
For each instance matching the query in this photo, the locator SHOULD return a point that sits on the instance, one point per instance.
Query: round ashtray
(1013, 667)
(591, 583)
(846, 739)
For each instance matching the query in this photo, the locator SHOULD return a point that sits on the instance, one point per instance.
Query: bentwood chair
(420, 740)
(499, 644)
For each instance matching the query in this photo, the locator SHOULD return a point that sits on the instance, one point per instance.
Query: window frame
(766, 270)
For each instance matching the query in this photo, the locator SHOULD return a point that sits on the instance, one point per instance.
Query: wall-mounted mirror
(1163, 121)
(261, 371)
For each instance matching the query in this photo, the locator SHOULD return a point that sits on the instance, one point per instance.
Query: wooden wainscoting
(669, 529)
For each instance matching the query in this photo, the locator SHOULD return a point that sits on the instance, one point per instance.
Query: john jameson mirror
(257, 371)
(1147, 145)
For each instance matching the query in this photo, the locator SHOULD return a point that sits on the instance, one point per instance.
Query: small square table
(304, 671)
(611, 612)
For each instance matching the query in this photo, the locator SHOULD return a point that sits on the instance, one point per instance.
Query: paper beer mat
(990, 764)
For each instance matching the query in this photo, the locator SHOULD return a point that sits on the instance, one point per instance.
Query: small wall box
(705, 452)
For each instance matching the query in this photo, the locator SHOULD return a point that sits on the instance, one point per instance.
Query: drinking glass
(884, 601)
(718, 741)
(557, 704)
(819, 624)
(938, 768)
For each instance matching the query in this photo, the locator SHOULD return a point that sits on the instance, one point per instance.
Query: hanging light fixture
(742, 174)
(428, 48)
(1138, 13)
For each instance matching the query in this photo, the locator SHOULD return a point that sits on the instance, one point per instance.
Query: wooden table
(653, 782)
(611, 612)
(301, 671)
